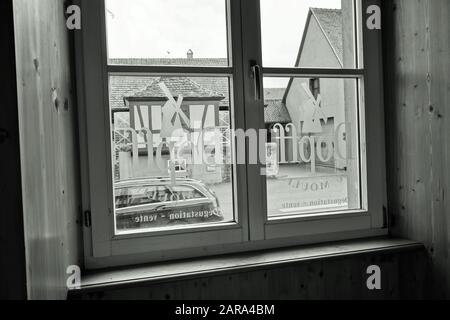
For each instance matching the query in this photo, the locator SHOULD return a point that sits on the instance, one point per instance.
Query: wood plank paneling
(48, 144)
(416, 46)
(417, 87)
(341, 278)
(439, 58)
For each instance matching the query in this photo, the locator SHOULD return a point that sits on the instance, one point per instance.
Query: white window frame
(371, 220)
(253, 230)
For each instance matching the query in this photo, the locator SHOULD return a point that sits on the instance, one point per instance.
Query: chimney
(190, 54)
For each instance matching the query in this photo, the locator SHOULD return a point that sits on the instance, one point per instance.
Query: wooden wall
(417, 90)
(12, 246)
(417, 86)
(48, 138)
(404, 276)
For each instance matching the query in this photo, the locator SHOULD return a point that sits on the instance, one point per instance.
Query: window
(204, 133)
(314, 87)
(179, 165)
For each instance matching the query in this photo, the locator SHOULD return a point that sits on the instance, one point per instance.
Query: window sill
(187, 269)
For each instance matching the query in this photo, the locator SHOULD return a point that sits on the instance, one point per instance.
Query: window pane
(172, 152)
(308, 33)
(167, 32)
(312, 152)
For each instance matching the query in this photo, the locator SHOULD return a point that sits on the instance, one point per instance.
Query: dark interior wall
(48, 145)
(417, 90)
(404, 276)
(12, 247)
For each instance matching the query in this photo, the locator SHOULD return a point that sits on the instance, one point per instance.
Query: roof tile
(144, 86)
(177, 86)
(331, 22)
(276, 112)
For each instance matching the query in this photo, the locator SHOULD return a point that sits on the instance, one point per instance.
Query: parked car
(158, 203)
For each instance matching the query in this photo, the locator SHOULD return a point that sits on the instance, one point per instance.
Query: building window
(196, 142)
(314, 87)
(179, 165)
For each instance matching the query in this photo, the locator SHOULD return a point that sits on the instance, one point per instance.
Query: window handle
(257, 78)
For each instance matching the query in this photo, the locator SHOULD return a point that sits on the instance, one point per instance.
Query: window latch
(257, 79)
(87, 219)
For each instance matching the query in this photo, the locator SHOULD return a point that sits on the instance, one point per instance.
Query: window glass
(313, 154)
(181, 150)
(175, 34)
(308, 33)
(172, 145)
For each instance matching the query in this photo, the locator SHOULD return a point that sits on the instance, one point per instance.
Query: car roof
(155, 181)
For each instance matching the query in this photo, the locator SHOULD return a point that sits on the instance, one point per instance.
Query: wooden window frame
(253, 230)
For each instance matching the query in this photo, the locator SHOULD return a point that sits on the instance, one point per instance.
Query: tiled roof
(127, 86)
(177, 86)
(199, 87)
(331, 22)
(276, 112)
(216, 84)
(203, 62)
(123, 86)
